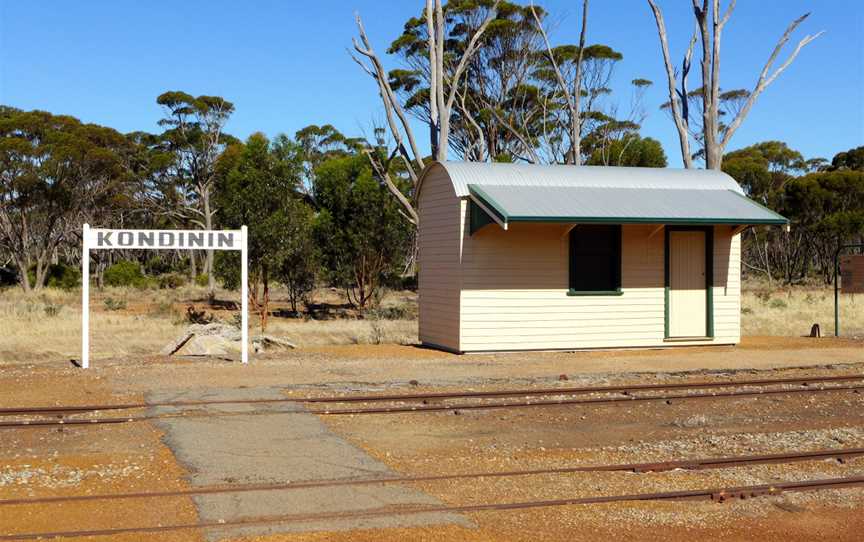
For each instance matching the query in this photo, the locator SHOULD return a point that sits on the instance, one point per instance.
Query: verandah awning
(607, 205)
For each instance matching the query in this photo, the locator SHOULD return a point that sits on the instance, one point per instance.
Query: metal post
(837, 292)
(244, 291)
(85, 299)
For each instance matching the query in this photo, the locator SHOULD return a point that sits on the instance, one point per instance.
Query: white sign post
(102, 239)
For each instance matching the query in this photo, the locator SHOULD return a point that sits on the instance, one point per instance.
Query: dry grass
(125, 321)
(47, 326)
(791, 311)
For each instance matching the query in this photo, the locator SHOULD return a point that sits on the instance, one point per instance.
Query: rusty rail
(841, 454)
(593, 401)
(60, 422)
(72, 409)
(718, 495)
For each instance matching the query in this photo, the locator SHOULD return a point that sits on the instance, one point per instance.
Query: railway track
(626, 396)
(841, 455)
(524, 392)
(714, 494)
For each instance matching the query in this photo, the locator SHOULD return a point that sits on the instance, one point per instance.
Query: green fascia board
(490, 203)
(478, 218)
(781, 218)
(647, 220)
(502, 214)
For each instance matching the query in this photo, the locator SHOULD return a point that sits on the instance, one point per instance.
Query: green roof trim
(489, 203)
(615, 204)
(780, 218)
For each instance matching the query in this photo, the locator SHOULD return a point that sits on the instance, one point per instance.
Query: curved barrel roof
(601, 194)
(481, 173)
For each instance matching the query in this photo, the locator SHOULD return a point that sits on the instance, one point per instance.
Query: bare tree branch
(382, 173)
(765, 79)
(387, 94)
(680, 124)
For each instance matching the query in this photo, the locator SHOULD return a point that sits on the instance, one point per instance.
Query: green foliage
(777, 304)
(763, 168)
(8, 276)
(125, 273)
(396, 312)
(60, 275)
(360, 233)
(55, 170)
(52, 309)
(112, 304)
(631, 150)
(172, 281)
(826, 208)
(258, 186)
(852, 159)
(511, 88)
(202, 280)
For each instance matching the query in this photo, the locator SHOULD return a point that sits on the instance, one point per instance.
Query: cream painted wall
(514, 291)
(439, 271)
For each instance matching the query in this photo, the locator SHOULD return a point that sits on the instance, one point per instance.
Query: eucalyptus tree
(361, 236)
(257, 186)
(319, 143)
(445, 70)
(54, 173)
(194, 131)
(711, 132)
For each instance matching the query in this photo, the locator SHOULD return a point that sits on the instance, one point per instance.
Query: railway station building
(520, 257)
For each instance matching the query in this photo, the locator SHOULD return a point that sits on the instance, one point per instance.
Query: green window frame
(595, 260)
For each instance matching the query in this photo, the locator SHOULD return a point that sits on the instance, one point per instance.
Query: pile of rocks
(218, 339)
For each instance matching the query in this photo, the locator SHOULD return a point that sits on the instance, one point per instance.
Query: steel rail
(582, 390)
(592, 401)
(46, 422)
(840, 454)
(714, 494)
(52, 409)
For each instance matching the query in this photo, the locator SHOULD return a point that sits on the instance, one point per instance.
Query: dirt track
(133, 458)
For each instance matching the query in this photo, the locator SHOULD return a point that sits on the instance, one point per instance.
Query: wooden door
(687, 284)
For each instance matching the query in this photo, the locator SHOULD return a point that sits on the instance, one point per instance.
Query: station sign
(852, 274)
(106, 239)
(164, 239)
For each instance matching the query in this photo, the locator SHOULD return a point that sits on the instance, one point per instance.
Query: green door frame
(709, 276)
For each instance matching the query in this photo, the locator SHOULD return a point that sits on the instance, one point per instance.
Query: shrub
(59, 275)
(112, 304)
(8, 276)
(162, 309)
(396, 312)
(64, 276)
(171, 281)
(194, 316)
(202, 280)
(777, 304)
(762, 295)
(52, 309)
(125, 273)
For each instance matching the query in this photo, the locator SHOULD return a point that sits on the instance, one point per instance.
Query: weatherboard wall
(441, 218)
(514, 291)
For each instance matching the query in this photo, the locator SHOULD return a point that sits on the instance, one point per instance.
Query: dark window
(595, 258)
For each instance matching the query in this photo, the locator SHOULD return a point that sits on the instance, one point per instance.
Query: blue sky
(285, 65)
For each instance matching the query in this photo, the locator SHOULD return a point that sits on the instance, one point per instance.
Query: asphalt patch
(281, 442)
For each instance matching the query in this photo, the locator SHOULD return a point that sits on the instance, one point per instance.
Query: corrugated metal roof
(592, 204)
(481, 174)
